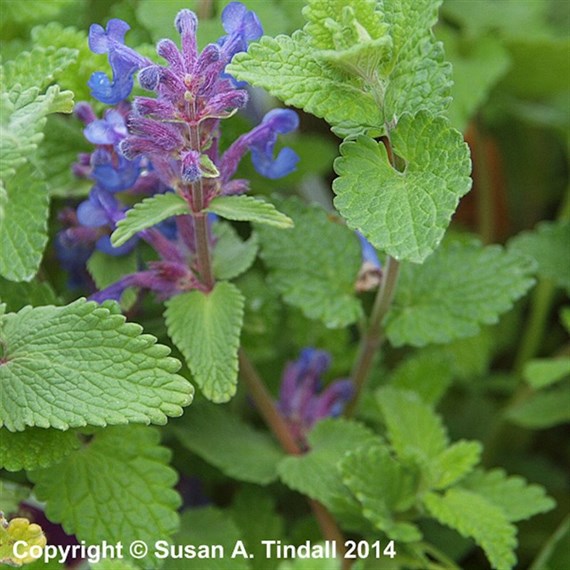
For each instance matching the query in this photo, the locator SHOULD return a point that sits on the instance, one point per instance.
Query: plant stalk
(265, 405)
(374, 337)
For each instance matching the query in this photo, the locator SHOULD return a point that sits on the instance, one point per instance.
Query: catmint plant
(308, 357)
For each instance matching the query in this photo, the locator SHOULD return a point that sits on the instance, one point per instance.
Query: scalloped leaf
(34, 448)
(517, 499)
(206, 329)
(81, 365)
(118, 488)
(458, 289)
(148, 213)
(475, 517)
(315, 264)
(224, 440)
(249, 209)
(404, 213)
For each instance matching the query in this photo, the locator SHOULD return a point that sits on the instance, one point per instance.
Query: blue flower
(301, 400)
(124, 62)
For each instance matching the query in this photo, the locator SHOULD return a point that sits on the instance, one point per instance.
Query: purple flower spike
(124, 62)
(186, 23)
(300, 401)
(113, 173)
(100, 209)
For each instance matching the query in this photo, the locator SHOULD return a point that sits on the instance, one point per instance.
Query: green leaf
(455, 462)
(78, 73)
(477, 67)
(34, 448)
(208, 527)
(383, 487)
(119, 487)
(249, 209)
(544, 409)
(18, 295)
(232, 256)
(414, 429)
(314, 265)
(543, 372)
(22, 119)
(473, 516)
(353, 37)
(222, 439)
(513, 495)
(288, 69)
(11, 495)
(148, 213)
(316, 473)
(416, 77)
(548, 246)
(79, 365)
(427, 373)
(459, 288)
(107, 269)
(37, 68)
(206, 328)
(253, 511)
(23, 232)
(63, 141)
(404, 213)
(555, 552)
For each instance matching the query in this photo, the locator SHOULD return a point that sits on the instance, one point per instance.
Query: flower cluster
(166, 143)
(302, 400)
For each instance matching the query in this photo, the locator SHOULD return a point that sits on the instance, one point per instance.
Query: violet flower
(370, 274)
(302, 401)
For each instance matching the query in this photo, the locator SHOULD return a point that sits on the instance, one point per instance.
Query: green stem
(200, 220)
(266, 407)
(374, 336)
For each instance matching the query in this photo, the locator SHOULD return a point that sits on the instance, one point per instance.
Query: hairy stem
(265, 405)
(201, 236)
(373, 337)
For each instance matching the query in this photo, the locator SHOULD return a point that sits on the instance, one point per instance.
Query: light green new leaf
(11, 495)
(414, 429)
(455, 462)
(383, 487)
(222, 439)
(314, 265)
(148, 213)
(544, 409)
(513, 495)
(249, 209)
(404, 213)
(79, 365)
(208, 526)
(22, 118)
(316, 473)
(119, 487)
(416, 77)
(475, 517)
(23, 232)
(287, 67)
(548, 246)
(35, 447)
(232, 256)
(37, 68)
(206, 329)
(543, 372)
(458, 289)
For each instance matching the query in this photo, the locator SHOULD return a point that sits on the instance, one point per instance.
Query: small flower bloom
(301, 400)
(124, 62)
(370, 273)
